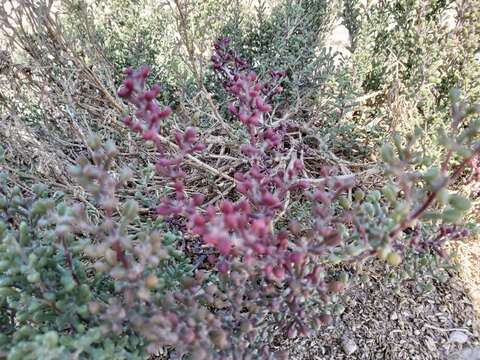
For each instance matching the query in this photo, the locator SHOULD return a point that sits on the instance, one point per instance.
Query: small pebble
(349, 346)
(394, 316)
(458, 337)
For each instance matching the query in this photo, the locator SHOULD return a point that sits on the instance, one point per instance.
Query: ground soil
(414, 325)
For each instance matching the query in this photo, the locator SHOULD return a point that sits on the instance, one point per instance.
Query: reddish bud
(297, 258)
(198, 220)
(149, 134)
(279, 272)
(127, 120)
(259, 248)
(149, 95)
(233, 109)
(198, 199)
(231, 221)
(165, 112)
(326, 319)
(260, 227)
(271, 200)
(294, 227)
(224, 246)
(144, 71)
(226, 207)
(124, 92)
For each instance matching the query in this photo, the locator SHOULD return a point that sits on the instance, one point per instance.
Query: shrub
(73, 286)
(271, 275)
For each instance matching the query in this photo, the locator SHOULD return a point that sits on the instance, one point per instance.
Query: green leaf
(459, 202)
(451, 215)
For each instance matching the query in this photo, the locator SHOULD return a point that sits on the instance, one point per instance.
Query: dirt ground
(379, 324)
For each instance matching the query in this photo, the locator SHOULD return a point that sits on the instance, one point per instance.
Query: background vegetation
(358, 74)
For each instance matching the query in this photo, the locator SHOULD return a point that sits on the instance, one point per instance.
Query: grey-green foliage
(285, 36)
(414, 52)
(44, 301)
(133, 33)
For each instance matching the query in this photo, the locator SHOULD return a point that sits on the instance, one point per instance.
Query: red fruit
(248, 150)
(254, 119)
(261, 105)
(298, 165)
(198, 147)
(212, 238)
(179, 186)
(243, 116)
(178, 138)
(129, 84)
(198, 199)
(321, 196)
(268, 271)
(243, 206)
(137, 127)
